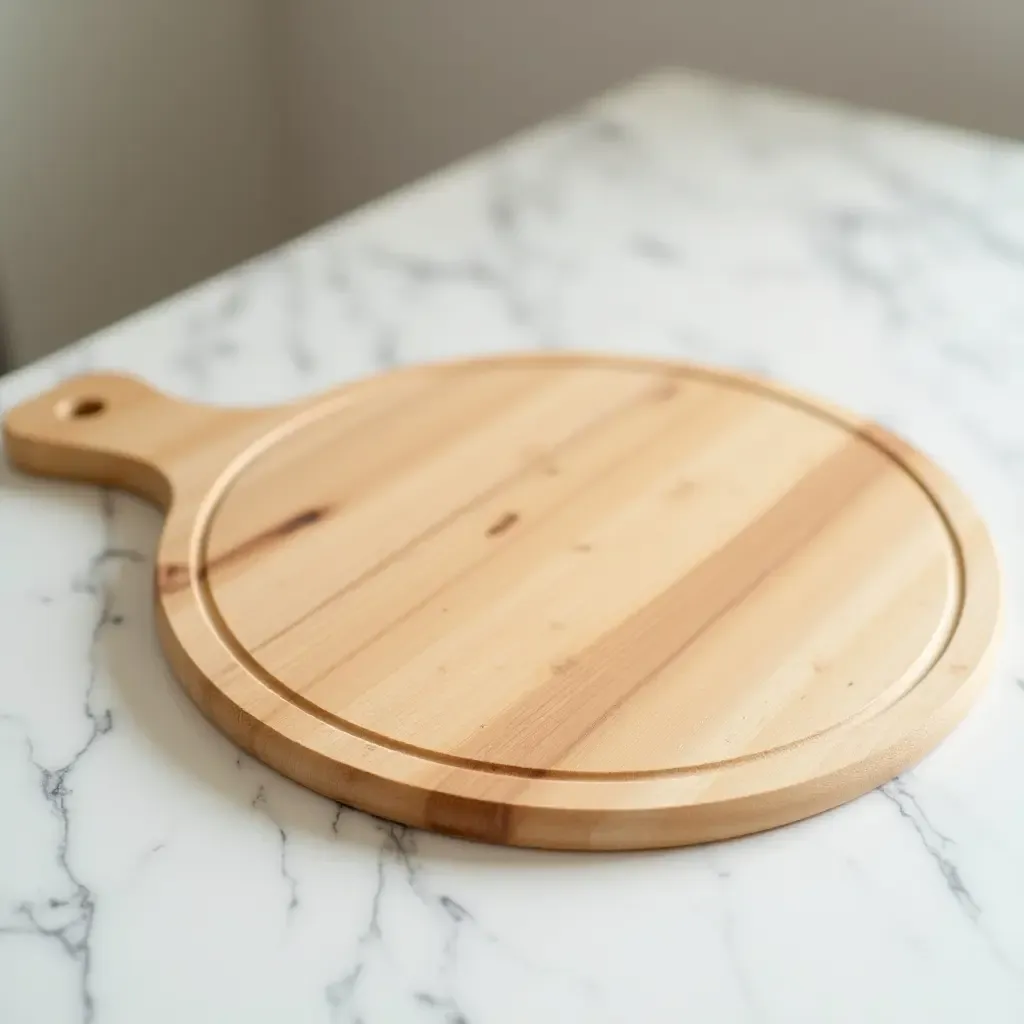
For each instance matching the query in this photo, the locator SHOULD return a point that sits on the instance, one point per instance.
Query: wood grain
(560, 601)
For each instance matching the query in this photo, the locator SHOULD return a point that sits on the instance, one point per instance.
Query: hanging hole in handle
(80, 408)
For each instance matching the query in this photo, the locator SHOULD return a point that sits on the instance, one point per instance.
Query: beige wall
(138, 155)
(147, 144)
(381, 92)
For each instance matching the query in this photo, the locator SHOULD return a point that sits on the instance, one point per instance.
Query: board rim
(644, 810)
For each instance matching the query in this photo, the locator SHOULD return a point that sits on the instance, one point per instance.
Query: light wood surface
(560, 601)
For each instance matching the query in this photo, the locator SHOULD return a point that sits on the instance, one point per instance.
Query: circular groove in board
(275, 677)
(570, 601)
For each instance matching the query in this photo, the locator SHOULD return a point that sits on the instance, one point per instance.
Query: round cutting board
(558, 601)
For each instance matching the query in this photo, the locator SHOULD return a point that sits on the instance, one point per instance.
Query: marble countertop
(149, 872)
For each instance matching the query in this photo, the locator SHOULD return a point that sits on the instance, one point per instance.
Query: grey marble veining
(148, 871)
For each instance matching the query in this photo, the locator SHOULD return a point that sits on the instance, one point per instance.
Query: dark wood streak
(174, 577)
(470, 818)
(503, 525)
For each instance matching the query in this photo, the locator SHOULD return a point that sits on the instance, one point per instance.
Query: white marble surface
(150, 873)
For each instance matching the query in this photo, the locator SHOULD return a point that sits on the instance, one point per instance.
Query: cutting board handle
(107, 429)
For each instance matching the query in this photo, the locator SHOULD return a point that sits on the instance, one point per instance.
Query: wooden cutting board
(557, 601)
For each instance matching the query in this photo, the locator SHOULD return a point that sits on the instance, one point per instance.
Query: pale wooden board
(559, 601)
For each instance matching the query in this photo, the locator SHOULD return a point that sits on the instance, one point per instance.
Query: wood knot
(503, 525)
(171, 577)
